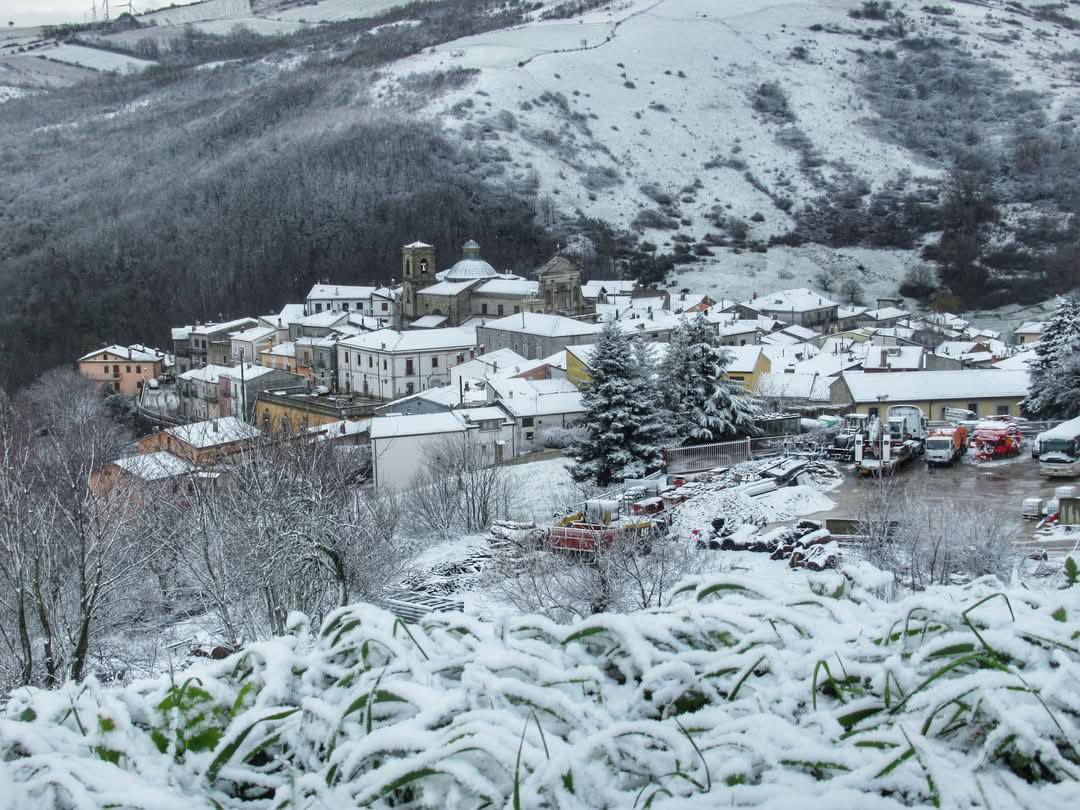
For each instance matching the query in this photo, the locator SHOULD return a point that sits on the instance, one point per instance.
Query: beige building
(473, 289)
(987, 392)
(121, 369)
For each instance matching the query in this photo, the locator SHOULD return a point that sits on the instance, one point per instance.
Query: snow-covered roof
(911, 358)
(473, 415)
(253, 334)
(390, 340)
(428, 322)
(798, 299)
(956, 348)
(1017, 361)
(286, 349)
(1030, 328)
(780, 338)
(228, 326)
(611, 286)
(342, 427)
(811, 387)
(388, 427)
(418, 244)
(894, 331)
(502, 358)
(728, 326)
(447, 288)
(181, 332)
(247, 373)
(207, 374)
(886, 314)
(536, 323)
(214, 432)
(125, 352)
(685, 301)
(338, 292)
(288, 314)
(324, 319)
(471, 266)
(742, 358)
(919, 386)
(537, 397)
(843, 313)
(446, 396)
(510, 286)
(800, 332)
(154, 466)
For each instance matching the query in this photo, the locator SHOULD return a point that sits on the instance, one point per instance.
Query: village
(496, 362)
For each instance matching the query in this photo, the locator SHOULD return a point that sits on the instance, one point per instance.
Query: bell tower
(417, 272)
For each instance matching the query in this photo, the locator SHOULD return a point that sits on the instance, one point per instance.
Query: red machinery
(995, 441)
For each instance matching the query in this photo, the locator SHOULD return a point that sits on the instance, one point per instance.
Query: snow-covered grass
(816, 694)
(96, 59)
(332, 10)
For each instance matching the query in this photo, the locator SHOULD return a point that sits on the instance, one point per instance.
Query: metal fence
(706, 456)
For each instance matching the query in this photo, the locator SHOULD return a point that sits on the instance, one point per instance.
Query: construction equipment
(995, 440)
(853, 426)
(946, 445)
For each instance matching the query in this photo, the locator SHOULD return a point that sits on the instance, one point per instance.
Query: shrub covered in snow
(738, 694)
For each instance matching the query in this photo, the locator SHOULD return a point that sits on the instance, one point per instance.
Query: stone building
(473, 289)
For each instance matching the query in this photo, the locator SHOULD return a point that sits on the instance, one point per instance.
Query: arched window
(408, 267)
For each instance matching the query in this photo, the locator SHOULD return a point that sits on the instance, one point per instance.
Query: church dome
(471, 265)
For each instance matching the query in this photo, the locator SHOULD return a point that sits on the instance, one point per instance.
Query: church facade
(473, 289)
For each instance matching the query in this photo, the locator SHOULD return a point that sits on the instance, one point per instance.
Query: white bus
(1059, 450)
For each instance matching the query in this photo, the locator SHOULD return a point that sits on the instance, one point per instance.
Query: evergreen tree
(1048, 392)
(623, 430)
(703, 405)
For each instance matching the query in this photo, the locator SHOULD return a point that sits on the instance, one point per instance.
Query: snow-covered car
(153, 384)
(322, 389)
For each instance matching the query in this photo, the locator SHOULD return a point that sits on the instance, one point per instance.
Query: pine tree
(704, 406)
(1060, 339)
(622, 426)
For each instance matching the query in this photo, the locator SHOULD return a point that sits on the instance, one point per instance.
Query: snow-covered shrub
(737, 693)
(560, 438)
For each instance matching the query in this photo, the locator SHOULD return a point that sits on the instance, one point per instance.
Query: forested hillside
(198, 191)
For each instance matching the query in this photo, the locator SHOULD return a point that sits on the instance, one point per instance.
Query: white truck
(907, 423)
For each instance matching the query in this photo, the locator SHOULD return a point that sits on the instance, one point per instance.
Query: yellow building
(298, 411)
(986, 391)
(121, 369)
(746, 364)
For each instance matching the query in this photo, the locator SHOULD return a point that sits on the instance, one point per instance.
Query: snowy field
(95, 59)
(333, 10)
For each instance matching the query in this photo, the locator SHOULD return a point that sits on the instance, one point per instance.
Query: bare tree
(461, 488)
(637, 571)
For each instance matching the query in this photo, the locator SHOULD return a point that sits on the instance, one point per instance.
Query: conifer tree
(622, 427)
(1049, 392)
(704, 406)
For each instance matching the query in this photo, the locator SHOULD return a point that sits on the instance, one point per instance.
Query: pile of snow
(739, 693)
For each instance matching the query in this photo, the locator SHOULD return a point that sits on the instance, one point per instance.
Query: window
(318, 307)
(500, 309)
(408, 365)
(385, 306)
(116, 371)
(526, 421)
(384, 364)
(461, 358)
(138, 369)
(1002, 410)
(127, 369)
(307, 358)
(517, 309)
(873, 413)
(369, 361)
(483, 309)
(423, 266)
(434, 362)
(529, 435)
(345, 306)
(974, 407)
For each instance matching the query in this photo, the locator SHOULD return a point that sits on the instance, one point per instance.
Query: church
(473, 289)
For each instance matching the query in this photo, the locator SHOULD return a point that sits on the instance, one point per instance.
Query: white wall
(397, 460)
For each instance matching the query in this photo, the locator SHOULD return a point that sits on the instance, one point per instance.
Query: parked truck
(907, 423)
(946, 445)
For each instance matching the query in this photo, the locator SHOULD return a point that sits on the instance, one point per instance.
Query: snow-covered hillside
(647, 100)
